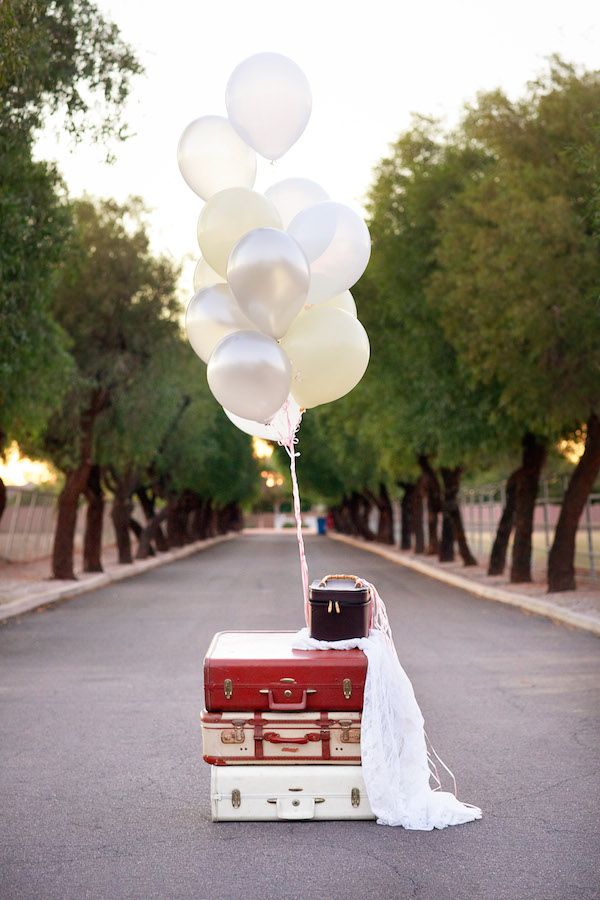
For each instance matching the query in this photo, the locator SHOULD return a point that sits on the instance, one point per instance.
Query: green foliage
(34, 224)
(63, 55)
(519, 268)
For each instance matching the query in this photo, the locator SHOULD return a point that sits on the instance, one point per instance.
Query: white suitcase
(234, 738)
(269, 793)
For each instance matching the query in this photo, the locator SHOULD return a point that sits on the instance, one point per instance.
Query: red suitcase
(259, 670)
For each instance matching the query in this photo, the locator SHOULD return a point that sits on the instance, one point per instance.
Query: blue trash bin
(321, 525)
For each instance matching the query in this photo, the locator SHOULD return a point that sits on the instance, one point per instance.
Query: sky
(371, 64)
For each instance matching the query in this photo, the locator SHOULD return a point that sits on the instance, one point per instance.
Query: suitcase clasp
(355, 797)
(237, 736)
(228, 688)
(349, 735)
(331, 604)
(236, 798)
(347, 688)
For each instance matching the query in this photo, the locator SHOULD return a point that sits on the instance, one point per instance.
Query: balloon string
(298, 515)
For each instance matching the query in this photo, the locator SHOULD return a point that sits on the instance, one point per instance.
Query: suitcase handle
(283, 706)
(358, 582)
(274, 738)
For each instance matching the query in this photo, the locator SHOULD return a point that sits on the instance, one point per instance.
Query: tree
(55, 57)
(517, 281)
(117, 303)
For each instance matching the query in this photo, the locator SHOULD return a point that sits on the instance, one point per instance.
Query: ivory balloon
(269, 102)
(283, 422)
(269, 276)
(292, 195)
(227, 217)
(204, 276)
(250, 375)
(343, 301)
(337, 245)
(329, 352)
(212, 157)
(212, 314)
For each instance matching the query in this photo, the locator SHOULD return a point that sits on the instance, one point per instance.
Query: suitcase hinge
(347, 688)
(228, 688)
(355, 797)
(236, 798)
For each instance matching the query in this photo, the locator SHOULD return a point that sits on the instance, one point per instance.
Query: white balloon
(205, 276)
(269, 102)
(337, 245)
(292, 195)
(250, 375)
(269, 276)
(212, 156)
(212, 314)
(285, 420)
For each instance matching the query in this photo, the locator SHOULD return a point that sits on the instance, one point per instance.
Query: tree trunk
(534, 455)
(2, 498)
(385, 527)
(452, 524)
(505, 527)
(148, 505)
(66, 521)
(94, 521)
(446, 546)
(176, 522)
(417, 516)
(120, 515)
(360, 508)
(434, 503)
(149, 534)
(561, 561)
(406, 513)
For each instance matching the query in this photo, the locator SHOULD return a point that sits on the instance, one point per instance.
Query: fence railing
(27, 526)
(482, 508)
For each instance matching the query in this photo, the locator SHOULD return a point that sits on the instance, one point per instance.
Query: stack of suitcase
(281, 729)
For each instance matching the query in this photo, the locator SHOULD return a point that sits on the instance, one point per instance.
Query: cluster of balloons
(272, 314)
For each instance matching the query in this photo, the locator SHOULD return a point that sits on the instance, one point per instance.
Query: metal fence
(27, 526)
(482, 508)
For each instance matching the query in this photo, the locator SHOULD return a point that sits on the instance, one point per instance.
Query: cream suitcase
(231, 738)
(269, 793)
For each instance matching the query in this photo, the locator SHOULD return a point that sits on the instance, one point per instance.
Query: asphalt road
(103, 792)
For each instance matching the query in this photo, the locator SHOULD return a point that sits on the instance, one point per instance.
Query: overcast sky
(370, 64)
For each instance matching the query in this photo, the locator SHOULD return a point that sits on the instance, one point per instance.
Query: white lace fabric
(394, 754)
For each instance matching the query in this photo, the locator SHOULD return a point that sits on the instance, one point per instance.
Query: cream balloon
(212, 314)
(329, 352)
(250, 375)
(212, 157)
(269, 276)
(337, 245)
(283, 422)
(204, 276)
(269, 103)
(343, 301)
(227, 217)
(292, 195)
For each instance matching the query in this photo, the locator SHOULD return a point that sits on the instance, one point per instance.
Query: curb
(545, 608)
(64, 590)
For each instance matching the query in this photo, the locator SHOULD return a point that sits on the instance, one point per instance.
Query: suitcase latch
(236, 798)
(237, 736)
(347, 688)
(349, 735)
(331, 605)
(228, 688)
(355, 797)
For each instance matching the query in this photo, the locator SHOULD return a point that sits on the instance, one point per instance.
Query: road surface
(104, 793)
